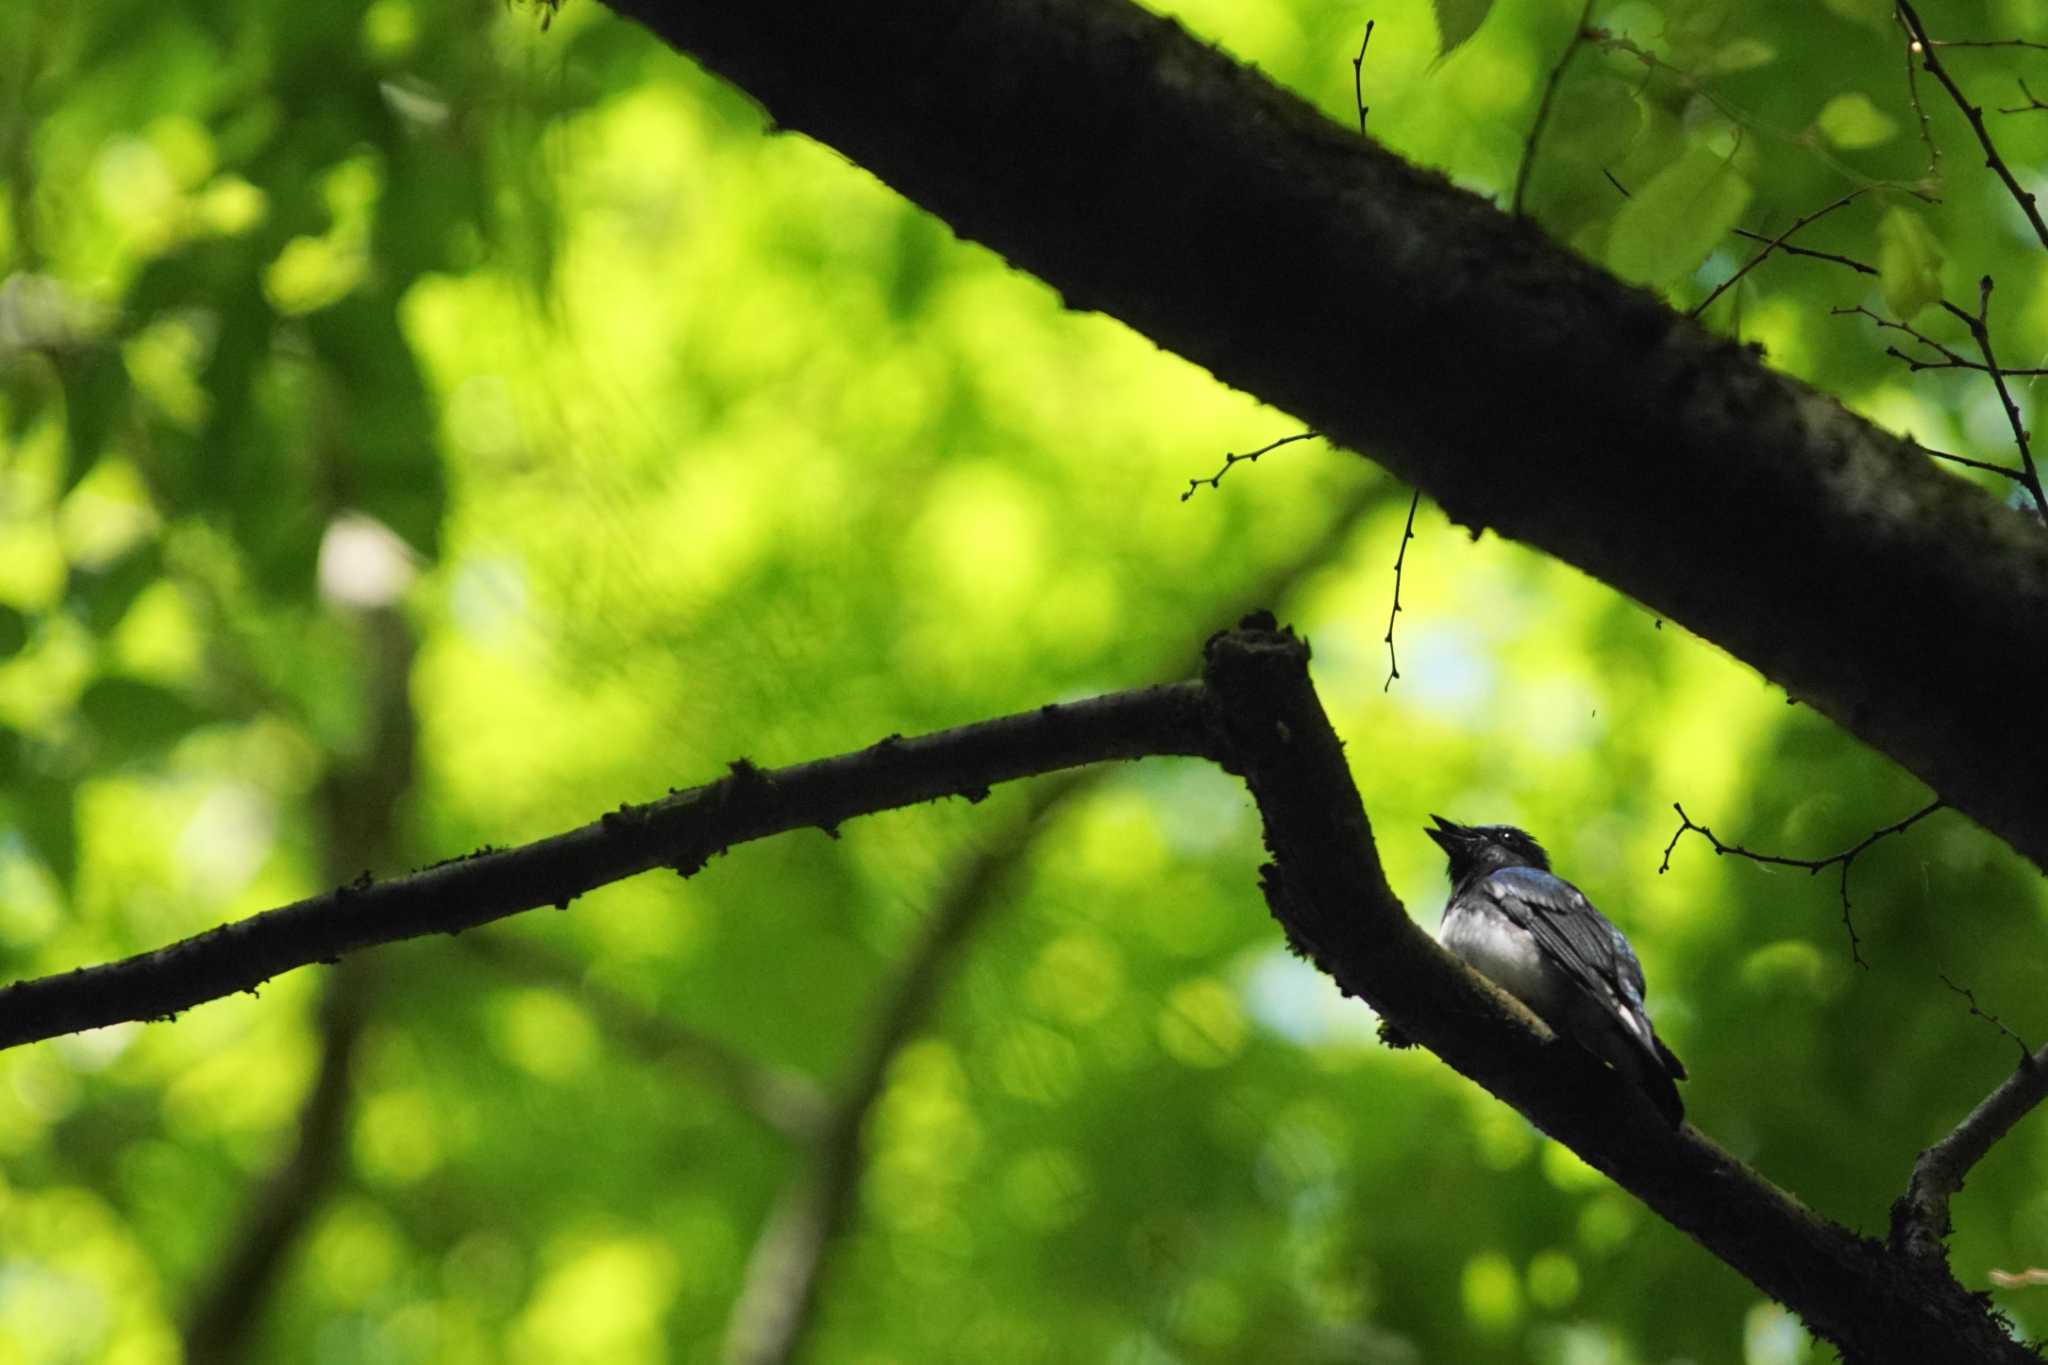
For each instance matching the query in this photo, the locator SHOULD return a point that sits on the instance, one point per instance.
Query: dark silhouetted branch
(682, 831)
(1774, 244)
(1925, 49)
(1844, 860)
(1920, 1217)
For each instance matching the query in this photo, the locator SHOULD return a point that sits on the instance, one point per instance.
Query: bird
(1536, 936)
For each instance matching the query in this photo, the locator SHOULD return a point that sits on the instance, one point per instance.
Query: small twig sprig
(1844, 860)
(1229, 458)
(1925, 48)
(1400, 560)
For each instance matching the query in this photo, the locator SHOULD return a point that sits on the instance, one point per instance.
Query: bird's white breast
(1503, 952)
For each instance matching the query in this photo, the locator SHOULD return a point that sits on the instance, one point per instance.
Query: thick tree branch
(682, 831)
(1145, 174)
(774, 1310)
(1920, 1219)
(1255, 714)
(1326, 888)
(787, 1268)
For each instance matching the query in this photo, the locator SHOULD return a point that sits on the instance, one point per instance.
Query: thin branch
(1252, 456)
(1925, 47)
(682, 831)
(1801, 140)
(1358, 78)
(772, 1313)
(1950, 359)
(1400, 559)
(2016, 475)
(1990, 42)
(1919, 109)
(1772, 245)
(1845, 859)
(771, 1316)
(2034, 104)
(1970, 997)
(1920, 1217)
(784, 1099)
(1980, 330)
(1564, 59)
(1858, 266)
(219, 1326)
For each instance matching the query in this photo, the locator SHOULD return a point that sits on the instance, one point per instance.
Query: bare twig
(785, 1100)
(1564, 59)
(1773, 244)
(1858, 266)
(1400, 559)
(1844, 859)
(1979, 324)
(773, 1312)
(1924, 47)
(1799, 140)
(2015, 475)
(1990, 42)
(1920, 1217)
(1970, 997)
(1358, 77)
(219, 1326)
(1216, 480)
(2016, 1279)
(2034, 104)
(682, 831)
(1949, 358)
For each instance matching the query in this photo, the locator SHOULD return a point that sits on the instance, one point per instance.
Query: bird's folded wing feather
(1577, 936)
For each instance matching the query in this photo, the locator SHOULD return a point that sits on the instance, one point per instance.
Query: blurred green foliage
(704, 445)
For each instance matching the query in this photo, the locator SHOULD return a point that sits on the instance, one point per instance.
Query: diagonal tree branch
(777, 1302)
(1256, 715)
(1145, 174)
(784, 1099)
(682, 831)
(1326, 887)
(1920, 1220)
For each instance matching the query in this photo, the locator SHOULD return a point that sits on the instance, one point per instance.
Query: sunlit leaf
(1850, 120)
(1909, 259)
(1457, 20)
(1594, 119)
(13, 630)
(101, 595)
(137, 717)
(1674, 221)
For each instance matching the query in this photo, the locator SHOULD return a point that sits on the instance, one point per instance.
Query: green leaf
(1852, 122)
(13, 631)
(43, 810)
(102, 595)
(1674, 221)
(137, 718)
(386, 430)
(1457, 20)
(1909, 259)
(95, 381)
(1594, 120)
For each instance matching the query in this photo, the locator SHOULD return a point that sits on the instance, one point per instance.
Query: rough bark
(1144, 174)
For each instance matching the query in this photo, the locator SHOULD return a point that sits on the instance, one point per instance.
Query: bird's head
(1476, 850)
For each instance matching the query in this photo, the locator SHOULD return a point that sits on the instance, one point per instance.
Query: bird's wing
(1567, 927)
(1594, 954)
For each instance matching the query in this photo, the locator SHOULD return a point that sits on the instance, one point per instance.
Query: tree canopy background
(426, 428)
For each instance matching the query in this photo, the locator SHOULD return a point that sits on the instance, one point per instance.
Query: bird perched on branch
(1537, 936)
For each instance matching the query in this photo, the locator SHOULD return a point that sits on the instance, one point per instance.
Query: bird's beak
(1448, 834)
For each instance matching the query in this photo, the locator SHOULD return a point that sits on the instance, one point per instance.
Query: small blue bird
(1536, 936)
